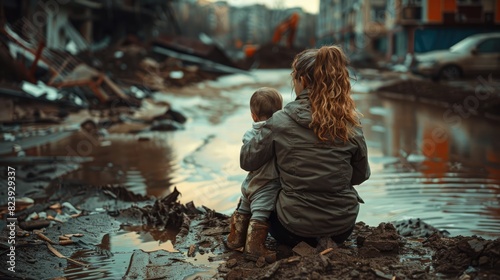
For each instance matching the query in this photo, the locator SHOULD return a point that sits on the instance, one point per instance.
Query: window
(489, 46)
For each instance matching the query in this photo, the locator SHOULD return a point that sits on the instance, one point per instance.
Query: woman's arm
(359, 162)
(259, 150)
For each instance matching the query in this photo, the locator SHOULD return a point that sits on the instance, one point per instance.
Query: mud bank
(55, 249)
(478, 98)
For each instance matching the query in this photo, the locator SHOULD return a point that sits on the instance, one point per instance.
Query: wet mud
(68, 249)
(378, 253)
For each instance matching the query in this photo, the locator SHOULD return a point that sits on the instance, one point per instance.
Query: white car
(475, 55)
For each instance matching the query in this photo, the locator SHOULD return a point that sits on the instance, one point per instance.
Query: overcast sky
(311, 6)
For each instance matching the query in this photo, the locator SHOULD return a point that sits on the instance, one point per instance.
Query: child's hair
(325, 75)
(264, 102)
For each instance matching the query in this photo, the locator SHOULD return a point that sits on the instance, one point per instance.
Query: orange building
(425, 25)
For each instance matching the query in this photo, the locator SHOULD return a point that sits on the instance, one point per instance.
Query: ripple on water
(467, 202)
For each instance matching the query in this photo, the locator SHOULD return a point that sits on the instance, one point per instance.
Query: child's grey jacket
(265, 175)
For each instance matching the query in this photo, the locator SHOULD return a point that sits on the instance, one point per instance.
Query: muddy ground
(370, 253)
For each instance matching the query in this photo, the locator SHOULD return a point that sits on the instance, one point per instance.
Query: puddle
(111, 258)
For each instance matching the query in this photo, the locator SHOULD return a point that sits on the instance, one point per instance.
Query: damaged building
(63, 55)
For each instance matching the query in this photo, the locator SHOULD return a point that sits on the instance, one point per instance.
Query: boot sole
(250, 257)
(254, 258)
(232, 247)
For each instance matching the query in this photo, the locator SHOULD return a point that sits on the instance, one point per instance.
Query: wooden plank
(114, 87)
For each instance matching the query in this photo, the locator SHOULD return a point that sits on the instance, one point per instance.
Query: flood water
(425, 162)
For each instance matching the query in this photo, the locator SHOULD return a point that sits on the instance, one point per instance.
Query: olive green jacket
(317, 197)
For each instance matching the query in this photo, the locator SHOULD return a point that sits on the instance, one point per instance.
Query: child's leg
(263, 202)
(239, 225)
(243, 206)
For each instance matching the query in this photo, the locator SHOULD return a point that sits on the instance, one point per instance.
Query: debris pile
(271, 56)
(50, 83)
(465, 255)
(45, 84)
(155, 66)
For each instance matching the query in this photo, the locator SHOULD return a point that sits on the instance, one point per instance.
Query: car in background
(475, 55)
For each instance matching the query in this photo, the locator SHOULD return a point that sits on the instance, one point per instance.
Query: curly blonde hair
(324, 74)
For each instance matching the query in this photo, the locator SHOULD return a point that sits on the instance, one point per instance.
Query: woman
(320, 152)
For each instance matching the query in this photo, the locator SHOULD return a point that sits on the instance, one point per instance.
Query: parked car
(478, 54)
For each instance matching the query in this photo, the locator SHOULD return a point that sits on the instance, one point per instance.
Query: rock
(231, 263)
(303, 249)
(191, 251)
(261, 262)
(477, 245)
(34, 224)
(315, 276)
(223, 269)
(354, 274)
(381, 274)
(483, 260)
(464, 277)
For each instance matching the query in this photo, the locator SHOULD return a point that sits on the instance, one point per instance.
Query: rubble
(271, 56)
(121, 75)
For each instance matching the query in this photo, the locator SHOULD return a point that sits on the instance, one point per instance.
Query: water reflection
(426, 166)
(144, 166)
(110, 258)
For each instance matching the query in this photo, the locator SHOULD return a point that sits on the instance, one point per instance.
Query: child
(249, 223)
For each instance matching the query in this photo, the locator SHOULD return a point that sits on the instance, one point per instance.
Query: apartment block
(417, 26)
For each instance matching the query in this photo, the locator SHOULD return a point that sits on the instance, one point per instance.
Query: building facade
(419, 26)
(358, 26)
(395, 28)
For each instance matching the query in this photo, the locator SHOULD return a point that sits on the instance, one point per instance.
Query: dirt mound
(377, 253)
(454, 255)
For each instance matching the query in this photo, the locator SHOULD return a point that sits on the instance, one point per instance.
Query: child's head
(264, 102)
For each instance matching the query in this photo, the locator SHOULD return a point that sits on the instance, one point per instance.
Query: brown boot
(238, 234)
(255, 245)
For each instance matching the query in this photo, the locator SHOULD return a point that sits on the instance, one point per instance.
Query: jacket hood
(299, 110)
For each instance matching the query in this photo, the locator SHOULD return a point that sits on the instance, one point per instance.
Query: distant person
(249, 222)
(320, 152)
